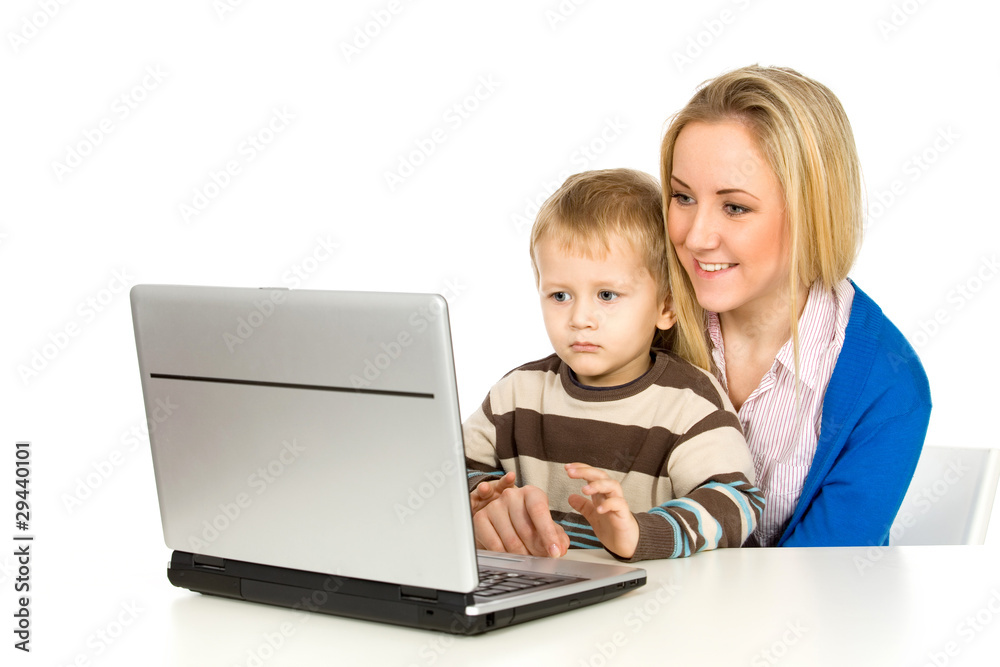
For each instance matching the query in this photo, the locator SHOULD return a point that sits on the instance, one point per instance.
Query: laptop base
(426, 609)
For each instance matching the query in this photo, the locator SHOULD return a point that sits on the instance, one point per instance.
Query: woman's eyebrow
(732, 190)
(719, 192)
(683, 184)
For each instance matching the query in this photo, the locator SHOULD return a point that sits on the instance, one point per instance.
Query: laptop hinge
(208, 562)
(418, 593)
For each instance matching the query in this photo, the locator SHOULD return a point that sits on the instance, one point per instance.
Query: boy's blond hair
(593, 208)
(803, 135)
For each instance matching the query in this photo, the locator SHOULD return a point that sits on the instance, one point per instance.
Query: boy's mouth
(584, 346)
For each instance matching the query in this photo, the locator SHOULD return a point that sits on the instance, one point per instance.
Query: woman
(763, 192)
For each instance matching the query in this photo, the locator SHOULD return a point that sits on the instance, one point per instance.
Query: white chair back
(950, 498)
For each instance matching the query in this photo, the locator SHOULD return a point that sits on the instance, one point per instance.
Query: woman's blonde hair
(802, 133)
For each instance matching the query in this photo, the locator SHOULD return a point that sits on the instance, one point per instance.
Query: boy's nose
(582, 316)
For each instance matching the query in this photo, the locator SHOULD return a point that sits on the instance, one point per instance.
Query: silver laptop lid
(313, 430)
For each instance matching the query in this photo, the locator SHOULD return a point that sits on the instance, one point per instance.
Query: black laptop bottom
(358, 598)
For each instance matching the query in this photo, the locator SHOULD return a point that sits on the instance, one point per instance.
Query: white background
(601, 76)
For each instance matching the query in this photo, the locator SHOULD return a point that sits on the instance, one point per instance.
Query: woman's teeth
(713, 267)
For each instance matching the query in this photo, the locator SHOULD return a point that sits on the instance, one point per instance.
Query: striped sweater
(670, 438)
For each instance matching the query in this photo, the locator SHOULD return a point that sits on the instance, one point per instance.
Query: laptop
(307, 449)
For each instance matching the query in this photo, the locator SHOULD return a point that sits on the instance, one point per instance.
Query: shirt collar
(718, 348)
(817, 327)
(816, 331)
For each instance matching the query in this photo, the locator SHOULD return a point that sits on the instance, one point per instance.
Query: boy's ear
(667, 317)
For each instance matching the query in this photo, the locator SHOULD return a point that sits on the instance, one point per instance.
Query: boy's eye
(560, 297)
(607, 295)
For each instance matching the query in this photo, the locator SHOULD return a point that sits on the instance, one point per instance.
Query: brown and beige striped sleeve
(480, 434)
(671, 439)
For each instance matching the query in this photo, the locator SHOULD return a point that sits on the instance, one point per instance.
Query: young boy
(654, 438)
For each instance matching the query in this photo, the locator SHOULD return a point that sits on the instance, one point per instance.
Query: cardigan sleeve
(858, 499)
(875, 418)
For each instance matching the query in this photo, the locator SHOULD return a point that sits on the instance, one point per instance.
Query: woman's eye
(736, 209)
(681, 198)
(607, 295)
(560, 297)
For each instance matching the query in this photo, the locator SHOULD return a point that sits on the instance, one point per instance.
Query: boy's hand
(518, 521)
(487, 492)
(606, 509)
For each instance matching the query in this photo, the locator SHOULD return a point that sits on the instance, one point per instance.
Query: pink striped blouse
(783, 445)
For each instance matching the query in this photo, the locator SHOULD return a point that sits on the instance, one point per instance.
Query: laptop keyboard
(497, 582)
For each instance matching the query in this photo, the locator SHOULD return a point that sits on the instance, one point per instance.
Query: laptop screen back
(307, 429)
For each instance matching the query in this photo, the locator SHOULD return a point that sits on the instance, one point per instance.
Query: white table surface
(833, 606)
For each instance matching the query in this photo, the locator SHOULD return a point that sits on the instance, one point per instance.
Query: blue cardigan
(875, 416)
